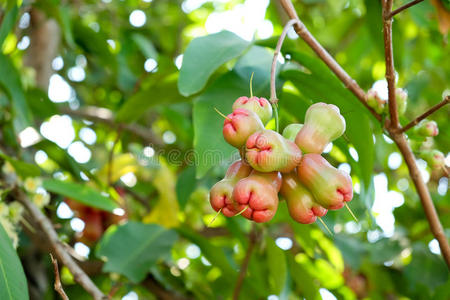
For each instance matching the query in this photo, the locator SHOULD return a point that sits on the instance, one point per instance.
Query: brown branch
(47, 228)
(58, 285)
(389, 55)
(424, 194)
(253, 239)
(426, 114)
(349, 82)
(402, 8)
(105, 116)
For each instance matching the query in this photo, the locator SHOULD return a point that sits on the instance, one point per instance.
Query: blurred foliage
(157, 148)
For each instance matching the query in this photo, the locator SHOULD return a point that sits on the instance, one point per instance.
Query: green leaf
(22, 168)
(204, 55)
(133, 248)
(81, 193)
(213, 254)
(276, 261)
(13, 284)
(93, 43)
(145, 45)
(10, 82)
(185, 185)
(7, 24)
(162, 88)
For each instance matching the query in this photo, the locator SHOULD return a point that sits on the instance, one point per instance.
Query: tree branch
(390, 71)
(349, 82)
(424, 194)
(58, 285)
(47, 228)
(426, 114)
(253, 238)
(104, 115)
(402, 8)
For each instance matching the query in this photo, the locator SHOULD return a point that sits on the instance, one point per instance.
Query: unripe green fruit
(221, 194)
(374, 101)
(268, 151)
(323, 124)
(330, 187)
(260, 106)
(427, 128)
(301, 204)
(401, 98)
(291, 131)
(258, 195)
(239, 125)
(434, 158)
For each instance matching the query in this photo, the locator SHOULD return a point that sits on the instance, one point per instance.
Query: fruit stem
(245, 208)
(251, 83)
(214, 218)
(325, 225)
(350, 211)
(275, 109)
(222, 114)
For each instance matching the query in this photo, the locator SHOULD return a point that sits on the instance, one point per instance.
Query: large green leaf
(211, 148)
(204, 55)
(186, 184)
(10, 82)
(9, 19)
(319, 84)
(81, 193)
(13, 284)
(276, 261)
(133, 248)
(215, 255)
(162, 91)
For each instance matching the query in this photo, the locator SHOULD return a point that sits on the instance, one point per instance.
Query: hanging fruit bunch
(289, 164)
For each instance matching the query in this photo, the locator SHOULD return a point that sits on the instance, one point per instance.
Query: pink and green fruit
(221, 194)
(239, 125)
(375, 101)
(301, 204)
(434, 158)
(260, 106)
(427, 128)
(330, 187)
(268, 151)
(257, 195)
(291, 131)
(323, 124)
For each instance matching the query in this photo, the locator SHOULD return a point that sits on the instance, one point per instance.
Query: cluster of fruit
(290, 164)
(417, 137)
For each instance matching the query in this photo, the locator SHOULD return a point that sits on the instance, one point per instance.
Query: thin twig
(47, 229)
(105, 116)
(253, 238)
(273, 71)
(349, 82)
(389, 56)
(58, 285)
(426, 114)
(401, 8)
